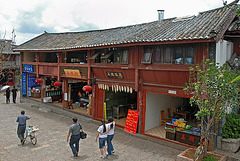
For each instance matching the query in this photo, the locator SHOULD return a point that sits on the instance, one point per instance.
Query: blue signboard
(24, 84)
(28, 68)
(31, 83)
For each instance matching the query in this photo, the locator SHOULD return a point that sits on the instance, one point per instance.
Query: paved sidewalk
(52, 143)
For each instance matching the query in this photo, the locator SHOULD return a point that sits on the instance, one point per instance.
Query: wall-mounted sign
(117, 75)
(72, 73)
(31, 83)
(131, 121)
(28, 68)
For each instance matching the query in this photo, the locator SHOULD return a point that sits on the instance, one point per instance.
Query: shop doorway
(117, 105)
(162, 108)
(53, 92)
(78, 99)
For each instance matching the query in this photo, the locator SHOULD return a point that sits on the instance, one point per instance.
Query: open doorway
(117, 105)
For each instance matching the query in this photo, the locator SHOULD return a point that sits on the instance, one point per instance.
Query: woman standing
(102, 135)
(111, 126)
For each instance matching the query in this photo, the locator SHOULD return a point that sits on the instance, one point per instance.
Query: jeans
(102, 142)
(7, 99)
(14, 98)
(109, 144)
(20, 131)
(74, 143)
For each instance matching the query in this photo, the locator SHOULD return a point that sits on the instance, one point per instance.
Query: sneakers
(102, 156)
(106, 154)
(113, 151)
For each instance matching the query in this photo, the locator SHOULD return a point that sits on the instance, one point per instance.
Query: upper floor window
(147, 55)
(76, 57)
(113, 55)
(48, 57)
(169, 54)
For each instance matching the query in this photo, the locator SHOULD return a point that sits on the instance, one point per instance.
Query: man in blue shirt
(22, 126)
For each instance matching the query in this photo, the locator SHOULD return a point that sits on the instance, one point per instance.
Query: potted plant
(231, 133)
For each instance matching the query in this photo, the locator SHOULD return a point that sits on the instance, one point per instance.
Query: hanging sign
(24, 84)
(72, 73)
(28, 68)
(117, 75)
(131, 121)
(105, 111)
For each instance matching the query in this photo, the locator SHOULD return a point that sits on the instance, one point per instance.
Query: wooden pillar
(64, 90)
(140, 106)
(136, 57)
(93, 100)
(58, 66)
(89, 67)
(43, 88)
(37, 66)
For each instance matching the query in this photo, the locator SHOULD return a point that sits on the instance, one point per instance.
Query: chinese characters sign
(117, 75)
(24, 84)
(187, 138)
(28, 68)
(31, 83)
(72, 73)
(131, 121)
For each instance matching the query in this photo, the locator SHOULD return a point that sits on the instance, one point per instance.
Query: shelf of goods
(182, 135)
(56, 95)
(170, 131)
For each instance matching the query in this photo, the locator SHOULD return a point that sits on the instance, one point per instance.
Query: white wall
(154, 104)
(224, 50)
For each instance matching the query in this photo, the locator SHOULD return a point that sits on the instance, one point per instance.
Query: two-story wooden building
(142, 67)
(9, 63)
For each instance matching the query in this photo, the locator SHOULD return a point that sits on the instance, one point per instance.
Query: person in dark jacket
(8, 95)
(14, 94)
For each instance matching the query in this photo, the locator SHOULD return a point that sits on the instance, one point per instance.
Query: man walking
(22, 126)
(14, 94)
(74, 131)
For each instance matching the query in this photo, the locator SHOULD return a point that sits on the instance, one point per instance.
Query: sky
(30, 18)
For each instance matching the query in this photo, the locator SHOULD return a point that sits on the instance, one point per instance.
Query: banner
(24, 84)
(131, 121)
(105, 111)
(31, 83)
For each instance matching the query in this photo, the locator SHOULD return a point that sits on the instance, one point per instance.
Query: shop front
(171, 117)
(53, 90)
(117, 100)
(79, 100)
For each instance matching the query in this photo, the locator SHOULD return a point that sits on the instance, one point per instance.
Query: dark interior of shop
(77, 93)
(118, 103)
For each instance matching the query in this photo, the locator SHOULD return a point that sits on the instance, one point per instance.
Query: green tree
(213, 92)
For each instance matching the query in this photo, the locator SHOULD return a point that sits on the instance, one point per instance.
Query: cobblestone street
(52, 135)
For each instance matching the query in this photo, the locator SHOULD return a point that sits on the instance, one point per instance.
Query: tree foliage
(213, 92)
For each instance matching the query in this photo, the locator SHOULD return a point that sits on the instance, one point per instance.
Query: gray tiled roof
(189, 28)
(6, 47)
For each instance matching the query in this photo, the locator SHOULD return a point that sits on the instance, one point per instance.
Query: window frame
(109, 56)
(149, 55)
(171, 55)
